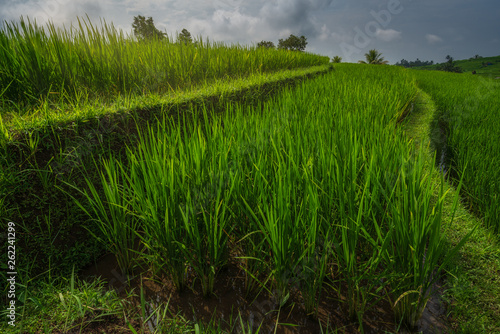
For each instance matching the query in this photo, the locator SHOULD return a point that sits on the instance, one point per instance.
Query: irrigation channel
(312, 212)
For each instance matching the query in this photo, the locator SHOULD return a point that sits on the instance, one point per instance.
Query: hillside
(152, 186)
(487, 66)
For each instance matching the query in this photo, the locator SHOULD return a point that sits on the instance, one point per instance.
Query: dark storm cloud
(461, 28)
(427, 29)
(294, 15)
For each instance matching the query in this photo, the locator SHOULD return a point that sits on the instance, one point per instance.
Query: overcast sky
(409, 29)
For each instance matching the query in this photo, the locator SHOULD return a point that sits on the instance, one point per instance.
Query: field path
(472, 287)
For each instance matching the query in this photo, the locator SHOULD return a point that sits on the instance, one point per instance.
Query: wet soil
(229, 301)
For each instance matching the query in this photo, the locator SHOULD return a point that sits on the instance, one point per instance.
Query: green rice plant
(208, 230)
(156, 316)
(279, 224)
(4, 133)
(248, 157)
(191, 225)
(246, 328)
(155, 180)
(319, 183)
(253, 258)
(45, 176)
(419, 252)
(39, 62)
(111, 212)
(302, 142)
(363, 241)
(467, 119)
(350, 220)
(317, 251)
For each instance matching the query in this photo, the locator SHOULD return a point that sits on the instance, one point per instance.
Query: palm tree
(337, 59)
(374, 57)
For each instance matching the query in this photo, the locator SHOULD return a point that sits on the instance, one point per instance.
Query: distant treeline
(416, 63)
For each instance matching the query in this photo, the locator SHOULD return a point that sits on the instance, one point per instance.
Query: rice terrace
(152, 184)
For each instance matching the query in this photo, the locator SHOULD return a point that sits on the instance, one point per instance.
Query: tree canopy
(373, 57)
(266, 44)
(184, 37)
(145, 29)
(449, 66)
(337, 59)
(416, 63)
(293, 43)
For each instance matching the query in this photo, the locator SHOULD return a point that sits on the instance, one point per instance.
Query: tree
(293, 43)
(145, 29)
(373, 57)
(449, 66)
(266, 44)
(184, 37)
(416, 63)
(337, 59)
(404, 63)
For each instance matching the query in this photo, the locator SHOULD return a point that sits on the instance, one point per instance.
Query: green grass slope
(320, 169)
(45, 68)
(468, 117)
(471, 288)
(487, 66)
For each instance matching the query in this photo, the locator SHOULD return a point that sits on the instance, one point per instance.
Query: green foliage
(4, 133)
(302, 192)
(266, 44)
(45, 68)
(337, 60)
(144, 29)
(483, 66)
(295, 194)
(293, 43)
(467, 116)
(449, 66)
(112, 216)
(34, 191)
(373, 57)
(416, 63)
(184, 37)
(470, 295)
(63, 305)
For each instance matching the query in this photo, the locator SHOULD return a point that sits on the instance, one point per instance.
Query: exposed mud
(229, 302)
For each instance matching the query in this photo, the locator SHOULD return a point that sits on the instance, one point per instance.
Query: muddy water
(443, 162)
(229, 300)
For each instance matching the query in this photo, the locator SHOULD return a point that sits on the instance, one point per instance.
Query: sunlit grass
(468, 118)
(321, 181)
(470, 283)
(69, 65)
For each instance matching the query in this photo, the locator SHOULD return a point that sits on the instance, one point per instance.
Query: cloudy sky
(409, 29)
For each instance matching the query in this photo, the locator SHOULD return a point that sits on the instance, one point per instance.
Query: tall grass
(319, 184)
(468, 119)
(113, 215)
(65, 64)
